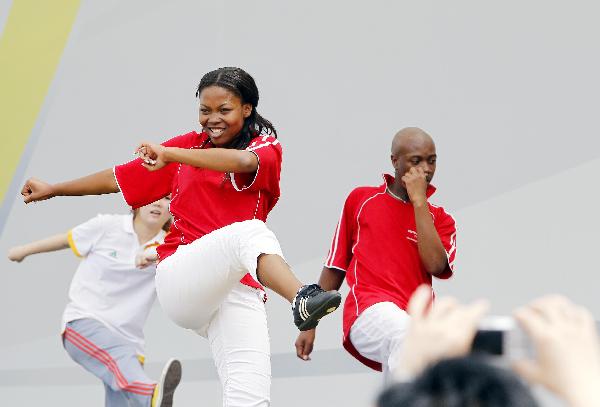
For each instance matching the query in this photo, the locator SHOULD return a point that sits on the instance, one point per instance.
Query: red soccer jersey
(203, 200)
(375, 243)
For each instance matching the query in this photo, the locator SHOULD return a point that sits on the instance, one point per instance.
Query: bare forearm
(102, 182)
(49, 244)
(431, 251)
(216, 159)
(331, 279)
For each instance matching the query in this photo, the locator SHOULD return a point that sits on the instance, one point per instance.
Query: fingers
(304, 344)
(528, 370)
(302, 349)
(420, 301)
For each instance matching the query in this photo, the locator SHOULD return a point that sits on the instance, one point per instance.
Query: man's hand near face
(415, 181)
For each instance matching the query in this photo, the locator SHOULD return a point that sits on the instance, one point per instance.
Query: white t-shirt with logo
(107, 286)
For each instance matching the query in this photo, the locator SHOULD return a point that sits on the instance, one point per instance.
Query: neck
(398, 190)
(143, 231)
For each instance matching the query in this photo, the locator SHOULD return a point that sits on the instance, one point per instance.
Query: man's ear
(246, 110)
(394, 161)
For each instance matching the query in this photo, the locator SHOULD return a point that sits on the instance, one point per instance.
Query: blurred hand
(17, 254)
(415, 181)
(567, 351)
(36, 190)
(146, 258)
(152, 156)
(304, 344)
(443, 330)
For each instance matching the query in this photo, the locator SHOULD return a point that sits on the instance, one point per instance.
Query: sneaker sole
(326, 308)
(169, 380)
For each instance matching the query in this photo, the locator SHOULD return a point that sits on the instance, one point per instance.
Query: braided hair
(242, 85)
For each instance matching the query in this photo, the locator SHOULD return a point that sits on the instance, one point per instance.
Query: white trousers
(198, 287)
(239, 342)
(378, 333)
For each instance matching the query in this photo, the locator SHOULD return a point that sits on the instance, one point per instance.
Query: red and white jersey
(375, 243)
(204, 200)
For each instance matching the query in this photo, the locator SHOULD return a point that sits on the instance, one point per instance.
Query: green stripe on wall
(31, 46)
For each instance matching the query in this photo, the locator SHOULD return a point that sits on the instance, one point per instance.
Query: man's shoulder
(364, 192)
(440, 213)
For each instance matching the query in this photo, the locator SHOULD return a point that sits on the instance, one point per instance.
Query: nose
(427, 167)
(214, 118)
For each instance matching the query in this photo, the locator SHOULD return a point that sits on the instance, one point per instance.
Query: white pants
(378, 332)
(198, 287)
(192, 283)
(239, 341)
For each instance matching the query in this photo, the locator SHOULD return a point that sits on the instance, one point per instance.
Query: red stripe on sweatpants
(98, 353)
(109, 358)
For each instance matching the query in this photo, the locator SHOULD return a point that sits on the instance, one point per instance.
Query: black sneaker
(169, 379)
(311, 304)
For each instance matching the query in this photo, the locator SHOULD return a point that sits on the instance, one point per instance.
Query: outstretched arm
(431, 250)
(331, 279)
(156, 156)
(102, 182)
(49, 244)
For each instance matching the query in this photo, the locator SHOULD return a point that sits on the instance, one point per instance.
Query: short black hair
(242, 85)
(460, 382)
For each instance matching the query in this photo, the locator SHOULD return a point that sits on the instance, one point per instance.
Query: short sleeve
(266, 178)
(84, 237)
(340, 251)
(446, 228)
(141, 187)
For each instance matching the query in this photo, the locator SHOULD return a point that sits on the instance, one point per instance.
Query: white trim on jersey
(243, 188)
(336, 268)
(119, 186)
(333, 248)
(257, 204)
(356, 244)
(358, 216)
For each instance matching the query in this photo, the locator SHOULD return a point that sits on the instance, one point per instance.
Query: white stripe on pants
(378, 333)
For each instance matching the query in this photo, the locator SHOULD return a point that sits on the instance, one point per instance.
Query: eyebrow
(221, 105)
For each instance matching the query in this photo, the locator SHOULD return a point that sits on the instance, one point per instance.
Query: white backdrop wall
(509, 90)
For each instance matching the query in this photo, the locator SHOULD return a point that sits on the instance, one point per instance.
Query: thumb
(528, 370)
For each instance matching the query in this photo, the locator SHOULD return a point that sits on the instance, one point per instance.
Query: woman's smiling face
(222, 114)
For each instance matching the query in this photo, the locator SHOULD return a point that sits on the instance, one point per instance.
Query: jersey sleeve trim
(242, 188)
(72, 243)
(336, 268)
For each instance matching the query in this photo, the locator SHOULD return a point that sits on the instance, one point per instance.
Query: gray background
(507, 89)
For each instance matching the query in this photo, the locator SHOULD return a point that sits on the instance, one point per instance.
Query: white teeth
(216, 131)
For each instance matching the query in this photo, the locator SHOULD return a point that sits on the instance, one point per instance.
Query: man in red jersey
(389, 240)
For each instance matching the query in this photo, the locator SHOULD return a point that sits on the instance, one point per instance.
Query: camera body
(501, 336)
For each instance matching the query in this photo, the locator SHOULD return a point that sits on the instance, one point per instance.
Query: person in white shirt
(111, 295)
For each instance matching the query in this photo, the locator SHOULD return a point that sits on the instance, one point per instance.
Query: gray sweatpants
(110, 358)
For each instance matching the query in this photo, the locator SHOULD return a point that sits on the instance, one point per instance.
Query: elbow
(443, 273)
(439, 269)
(247, 162)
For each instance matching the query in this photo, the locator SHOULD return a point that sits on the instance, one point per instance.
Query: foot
(311, 304)
(169, 379)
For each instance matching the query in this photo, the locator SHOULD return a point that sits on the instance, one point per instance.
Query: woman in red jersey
(219, 253)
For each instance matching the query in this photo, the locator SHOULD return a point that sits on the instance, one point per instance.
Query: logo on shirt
(411, 235)
(113, 254)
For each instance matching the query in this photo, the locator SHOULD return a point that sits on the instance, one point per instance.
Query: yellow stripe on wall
(31, 46)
